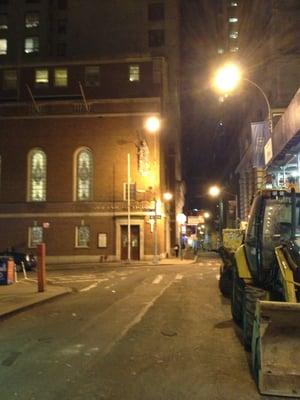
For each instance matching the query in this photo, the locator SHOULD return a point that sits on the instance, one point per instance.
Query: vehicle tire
(225, 282)
(237, 296)
(251, 295)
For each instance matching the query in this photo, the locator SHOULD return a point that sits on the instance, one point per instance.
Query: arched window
(84, 175)
(37, 169)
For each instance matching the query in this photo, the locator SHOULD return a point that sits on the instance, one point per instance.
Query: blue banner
(259, 134)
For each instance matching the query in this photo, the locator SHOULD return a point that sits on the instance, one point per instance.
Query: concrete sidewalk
(24, 293)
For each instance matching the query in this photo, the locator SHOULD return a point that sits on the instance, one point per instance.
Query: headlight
(27, 258)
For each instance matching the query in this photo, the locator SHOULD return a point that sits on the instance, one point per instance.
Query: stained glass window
(37, 175)
(84, 167)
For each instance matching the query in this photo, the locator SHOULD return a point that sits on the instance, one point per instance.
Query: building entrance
(135, 242)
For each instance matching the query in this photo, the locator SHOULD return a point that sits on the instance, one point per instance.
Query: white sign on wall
(268, 150)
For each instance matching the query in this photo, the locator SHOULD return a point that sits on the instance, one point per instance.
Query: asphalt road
(130, 333)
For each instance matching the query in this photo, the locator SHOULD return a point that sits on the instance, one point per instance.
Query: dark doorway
(135, 242)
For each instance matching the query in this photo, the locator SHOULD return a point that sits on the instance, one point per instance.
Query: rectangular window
(156, 12)
(234, 35)
(62, 26)
(82, 236)
(132, 191)
(41, 77)
(32, 45)
(156, 38)
(3, 46)
(32, 20)
(60, 77)
(92, 76)
(3, 22)
(233, 20)
(35, 236)
(61, 49)
(9, 79)
(134, 73)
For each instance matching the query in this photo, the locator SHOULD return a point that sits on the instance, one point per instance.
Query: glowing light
(152, 124)
(227, 78)
(168, 196)
(214, 191)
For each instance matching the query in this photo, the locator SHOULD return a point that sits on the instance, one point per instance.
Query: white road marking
(178, 277)
(218, 277)
(158, 279)
(86, 289)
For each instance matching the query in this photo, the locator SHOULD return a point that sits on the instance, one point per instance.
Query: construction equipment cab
(266, 291)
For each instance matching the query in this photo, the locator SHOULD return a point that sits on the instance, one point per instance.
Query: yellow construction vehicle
(266, 291)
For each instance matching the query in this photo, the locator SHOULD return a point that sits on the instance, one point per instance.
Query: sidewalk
(24, 293)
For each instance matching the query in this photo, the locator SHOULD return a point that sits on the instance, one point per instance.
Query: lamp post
(152, 125)
(228, 77)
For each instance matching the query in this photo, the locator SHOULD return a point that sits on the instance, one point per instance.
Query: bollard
(41, 270)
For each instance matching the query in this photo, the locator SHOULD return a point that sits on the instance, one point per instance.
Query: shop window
(41, 77)
(92, 75)
(3, 22)
(9, 79)
(156, 38)
(134, 73)
(37, 175)
(60, 77)
(32, 20)
(82, 236)
(84, 175)
(32, 45)
(3, 47)
(232, 20)
(156, 12)
(35, 236)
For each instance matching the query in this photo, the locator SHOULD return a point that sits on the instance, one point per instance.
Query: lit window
(156, 38)
(84, 175)
(134, 73)
(92, 76)
(3, 22)
(234, 35)
(32, 45)
(35, 236)
(220, 50)
(41, 77)
(32, 20)
(233, 20)
(234, 49)
(82, 236)
(37, 175)
(234, 4)
(60, 77)
(3, 46)
(9, 79)
(156, 12)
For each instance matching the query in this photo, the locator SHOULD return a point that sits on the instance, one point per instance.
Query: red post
(41, 270)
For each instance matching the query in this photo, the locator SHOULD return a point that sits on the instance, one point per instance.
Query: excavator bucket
(276, 348)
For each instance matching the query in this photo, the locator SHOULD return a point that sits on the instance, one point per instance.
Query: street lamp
(152, 125)
(227, 79)
(215, 191)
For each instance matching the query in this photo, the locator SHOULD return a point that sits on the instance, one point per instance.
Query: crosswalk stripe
(178, 277)
(158, 279)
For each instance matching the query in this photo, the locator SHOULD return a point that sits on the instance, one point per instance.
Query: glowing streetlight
(152, 124)
(167, 196)
(214, 191)
(206, 215)
(227, 78)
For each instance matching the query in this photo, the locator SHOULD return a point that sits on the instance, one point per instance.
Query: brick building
(73, 106)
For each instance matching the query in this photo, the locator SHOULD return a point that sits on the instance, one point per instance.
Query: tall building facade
(79, 79)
